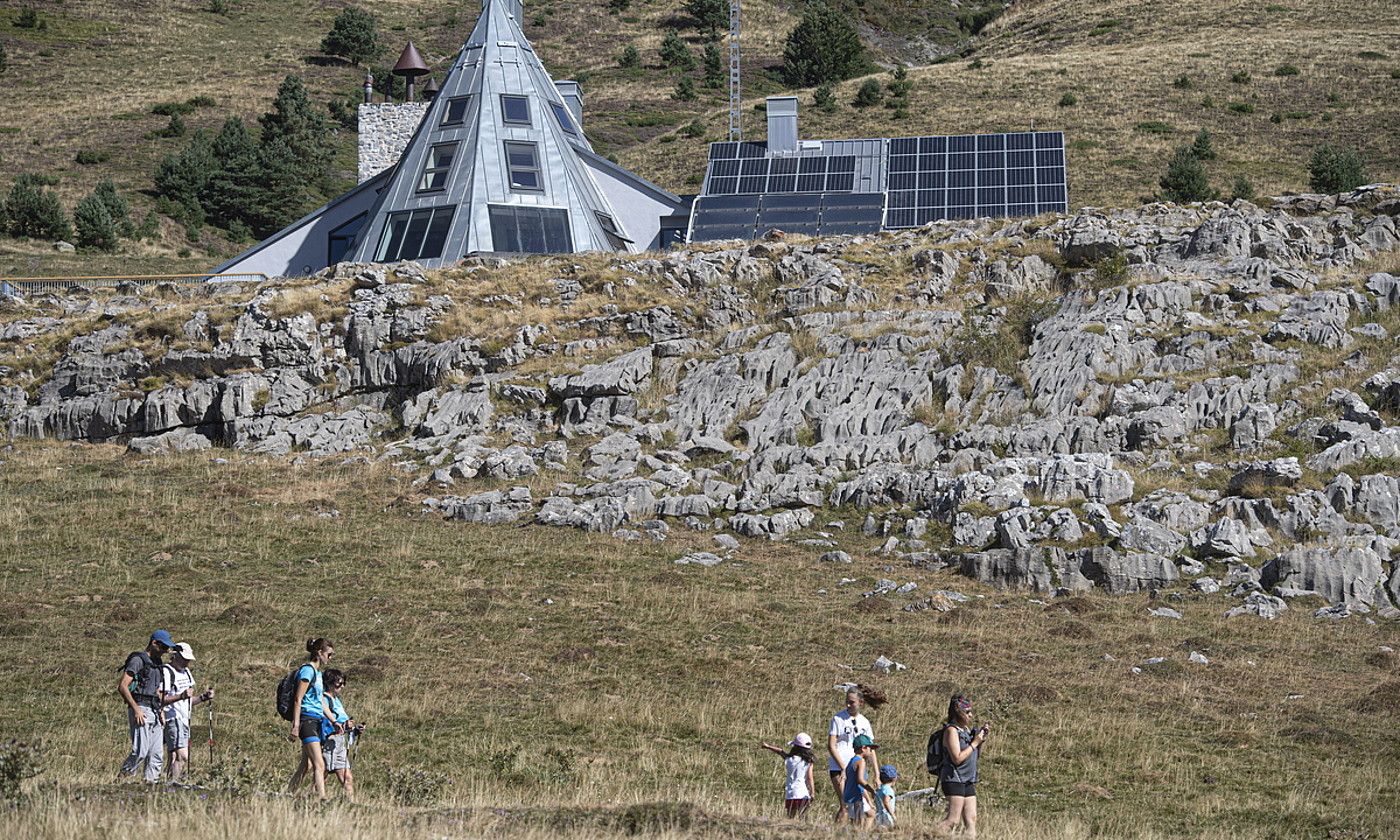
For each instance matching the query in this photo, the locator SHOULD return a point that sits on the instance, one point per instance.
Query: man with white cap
(139, 687)
(177, 694)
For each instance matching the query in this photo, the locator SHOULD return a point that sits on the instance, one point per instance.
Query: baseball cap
(163, 637)
(802, 740)
(888, 772)
(186, 652)
(863, 740)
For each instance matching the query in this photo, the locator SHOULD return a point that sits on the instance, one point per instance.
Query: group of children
(160, 698)
(865, 802)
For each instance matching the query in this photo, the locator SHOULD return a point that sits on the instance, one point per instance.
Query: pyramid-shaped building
(499, 165)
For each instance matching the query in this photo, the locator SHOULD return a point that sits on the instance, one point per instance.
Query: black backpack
(937, 754)
(138, 680)
(287, 693)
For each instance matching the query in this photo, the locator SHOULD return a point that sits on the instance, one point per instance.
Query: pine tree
(33, 211)
(1202, 147)
(869, 94)
(232, 191)
(823, 47)
(713, 62)
(710, 15)
(824, 99)
(117, 206)
(95, 226)
(1185, 180)
(1333, 170)
(283, 195)
(629, 57)
(674, 52)
(685, 89)
(302, 128)
(181, 178)
(353, 36)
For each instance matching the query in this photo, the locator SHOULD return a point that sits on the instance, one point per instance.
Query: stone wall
(385, 130)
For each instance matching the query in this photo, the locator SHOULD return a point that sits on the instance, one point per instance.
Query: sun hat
(186, 652)
(888, 773)
(802, 740)
(863, 740)
(163, 637)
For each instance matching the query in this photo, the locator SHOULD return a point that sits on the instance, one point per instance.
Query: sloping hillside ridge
(1134, 399)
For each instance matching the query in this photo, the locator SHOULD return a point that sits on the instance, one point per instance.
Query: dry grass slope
(569, 679)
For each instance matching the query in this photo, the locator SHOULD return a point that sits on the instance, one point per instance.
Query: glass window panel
(563, 117)
(456, 111)
(522, 163)
(340, 239)
(525, 179)
(413, 238)
(557, 239)
(392, 240)
(436, 237)
(515, 109)
(438, 165)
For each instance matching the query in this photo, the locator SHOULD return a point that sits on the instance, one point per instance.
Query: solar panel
(816, 214)
(760, 175)
(975, 176)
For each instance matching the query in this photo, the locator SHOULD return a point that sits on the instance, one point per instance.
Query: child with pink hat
(797, 763)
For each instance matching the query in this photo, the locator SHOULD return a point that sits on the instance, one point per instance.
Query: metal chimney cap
(431, 86)
(410, 63)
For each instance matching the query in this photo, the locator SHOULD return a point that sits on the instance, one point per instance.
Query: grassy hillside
(88, 80)
(566, 678)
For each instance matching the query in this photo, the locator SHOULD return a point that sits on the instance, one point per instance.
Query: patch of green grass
(1372, 55)
(1154, 127)
(1241, 107)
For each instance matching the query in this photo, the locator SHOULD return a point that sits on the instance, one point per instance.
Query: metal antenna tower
(736, 127)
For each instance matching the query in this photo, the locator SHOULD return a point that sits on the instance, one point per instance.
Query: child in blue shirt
(884, 797)
(335, 747)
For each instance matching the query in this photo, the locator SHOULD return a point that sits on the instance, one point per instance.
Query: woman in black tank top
(958, 776)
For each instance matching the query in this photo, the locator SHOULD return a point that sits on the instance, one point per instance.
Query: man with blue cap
(139, 687)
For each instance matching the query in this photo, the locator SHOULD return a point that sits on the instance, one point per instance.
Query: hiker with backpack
(179, 699)
(953, 749)
(139, 687)
(846, 726)
(301, 699)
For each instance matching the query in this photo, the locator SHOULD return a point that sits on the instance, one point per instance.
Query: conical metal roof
(495, 166)
(431, 88)
(410, 63)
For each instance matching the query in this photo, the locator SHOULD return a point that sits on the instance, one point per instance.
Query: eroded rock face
(960, 391)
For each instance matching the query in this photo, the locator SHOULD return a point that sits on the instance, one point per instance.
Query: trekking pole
(211, 734)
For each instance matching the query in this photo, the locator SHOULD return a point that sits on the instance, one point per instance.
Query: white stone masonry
(385, 130)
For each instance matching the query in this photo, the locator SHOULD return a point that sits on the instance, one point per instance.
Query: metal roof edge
(603, 163)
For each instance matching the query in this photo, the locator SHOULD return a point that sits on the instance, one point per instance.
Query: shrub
(694, 129)
(32, 211)
(4, 58)
(1371, 55)
(1154, 127)
(974, 21)
(1109, 272)
(1335, 170)
(629, 57)
(176, 127)
(94, 224)
(353, 36)
(674, 52)
(1241, 107)
(18, 762)
(149, 229)
(1185, 180)
(219, 7)
(1183, 82)
(28, 18)
(823, 47)
(1068, 100)
(619, 5)
(1243, 190)
(685, 89)
(1203, 146)
(1241, 77)
(710, 16)
(415, 787)
(976, 64)
(1287, 70)
(869, 94)
(88, 157)
(823, 99)
(170, 109)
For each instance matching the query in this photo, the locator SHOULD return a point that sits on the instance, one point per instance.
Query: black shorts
(309, 730)
(952, 788)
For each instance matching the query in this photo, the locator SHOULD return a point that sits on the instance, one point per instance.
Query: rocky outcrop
(1220, 411)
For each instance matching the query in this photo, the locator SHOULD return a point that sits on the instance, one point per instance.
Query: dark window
(615, 237)
(415, 235)
(530, 230)
(523, 164)
(340, 239)
(515, 110)
(566, 121)
(456, 112)
(436, 168)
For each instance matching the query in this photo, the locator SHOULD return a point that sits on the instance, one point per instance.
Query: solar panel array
(814, 214)
(973, 176)
(925, 179)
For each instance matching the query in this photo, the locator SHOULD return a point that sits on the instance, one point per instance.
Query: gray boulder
(1027, 568)
(1342, 575)
(175, 440)
(1223, 538)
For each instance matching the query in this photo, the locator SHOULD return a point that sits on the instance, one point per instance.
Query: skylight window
(523, 166)
(456, 113)
(437, 167)
(566, 121)
(515, 110)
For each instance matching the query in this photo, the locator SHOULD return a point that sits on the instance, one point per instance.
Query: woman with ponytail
(311, 711)
(846, 725)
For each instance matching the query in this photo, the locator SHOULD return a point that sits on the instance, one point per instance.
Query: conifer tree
(1186, 180)
(181, 178)
(629, 57)
(232, 192)
(713, 63)
(1203, 147)
(823, 47)
(304, 130)
(94, 224)
(353, 36)
(710, 15)
(33, 211)
(117, 206)
(1333, 170)
(674, 52)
